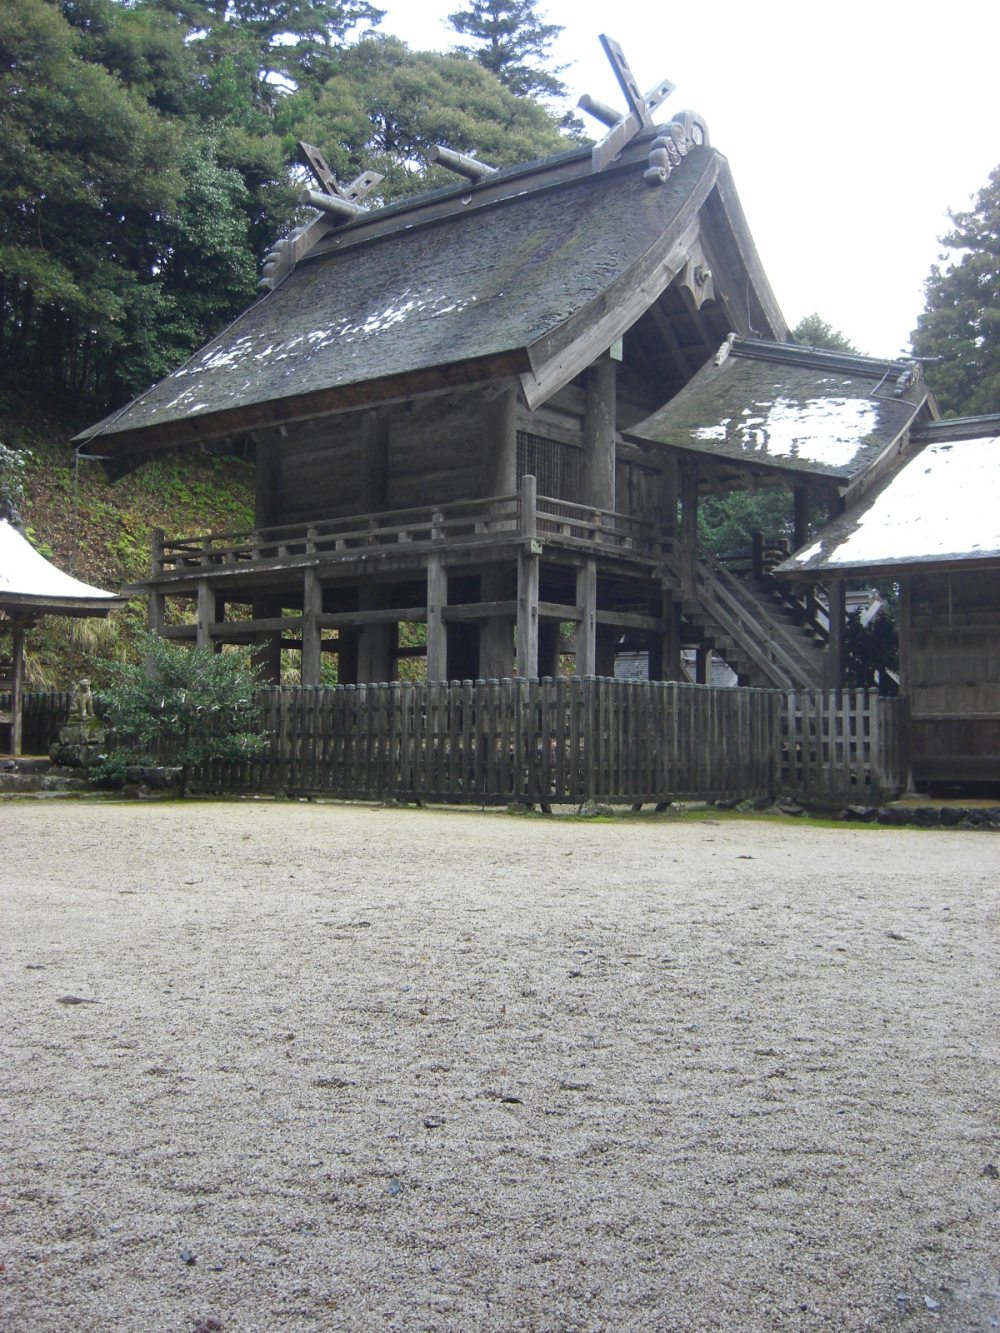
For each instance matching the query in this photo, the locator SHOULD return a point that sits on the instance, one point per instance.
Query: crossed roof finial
(639, 115)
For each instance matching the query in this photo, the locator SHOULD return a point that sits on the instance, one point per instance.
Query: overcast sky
(851, 128)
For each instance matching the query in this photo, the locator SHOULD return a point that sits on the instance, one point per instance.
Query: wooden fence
(556, 742)
(567, 741)
(843, 743)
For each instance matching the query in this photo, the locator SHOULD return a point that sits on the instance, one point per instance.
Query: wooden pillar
(437, 630)
(267, 477)
(347, 656)
(375, 641)
(703, 666)
(665, 516)
(500, 443)
(665, 649)
(156, 609)
(800, 532)
(266, 656)
(586, 630)
(16, 685)
(206, 614)
(548, 648)
(264, 606)
(604, 650)
(375, 461)
(496, 638)
(834, 655)
(905, 681)
(599, 435)
(687, 545)
(527, 614)
(312, 607)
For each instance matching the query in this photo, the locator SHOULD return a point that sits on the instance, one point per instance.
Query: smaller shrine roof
(30, 584)
(941, 509)
(791, 408)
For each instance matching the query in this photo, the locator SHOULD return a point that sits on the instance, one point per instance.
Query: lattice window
(555, 465)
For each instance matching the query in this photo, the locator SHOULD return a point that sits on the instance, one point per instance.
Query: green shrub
(183, 706)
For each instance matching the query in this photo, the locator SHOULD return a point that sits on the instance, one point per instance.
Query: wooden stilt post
(312, 606)
(527, 582)
(206, 614)
(527, 615)
(266, 656)
(703, 666)
(688, 544)
(496, 640)
(375, 642)
(156, 606)
(16, 687)
(667, 652)
(834, 655)
(586, 630)
(437, 630)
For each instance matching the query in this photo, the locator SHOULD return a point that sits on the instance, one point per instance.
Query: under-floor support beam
(527, 615)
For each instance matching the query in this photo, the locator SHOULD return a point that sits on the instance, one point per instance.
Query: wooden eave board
(810, 419)
(940, 510)
(549, 269)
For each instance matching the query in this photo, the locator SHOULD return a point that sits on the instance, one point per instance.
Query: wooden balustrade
(461, 522)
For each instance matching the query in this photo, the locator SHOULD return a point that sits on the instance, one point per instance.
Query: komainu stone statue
(82, 738)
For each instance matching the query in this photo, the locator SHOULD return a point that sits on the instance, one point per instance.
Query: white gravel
(356, 1068)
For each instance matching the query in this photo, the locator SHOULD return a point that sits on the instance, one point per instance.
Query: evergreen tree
(513, 43)
(383, 105)
(961, 321)
(812, 331)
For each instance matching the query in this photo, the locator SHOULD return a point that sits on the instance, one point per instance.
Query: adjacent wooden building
(933, 526)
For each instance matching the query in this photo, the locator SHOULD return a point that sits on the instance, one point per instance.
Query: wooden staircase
(766, 639)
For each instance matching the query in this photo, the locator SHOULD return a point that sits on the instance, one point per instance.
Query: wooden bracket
(640, 108)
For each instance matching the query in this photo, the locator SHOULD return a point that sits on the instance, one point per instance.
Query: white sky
(851, 128)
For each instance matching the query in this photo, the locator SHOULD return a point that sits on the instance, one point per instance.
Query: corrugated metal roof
(940, 507)
(792, 408)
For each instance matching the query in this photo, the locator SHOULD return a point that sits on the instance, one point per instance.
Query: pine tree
(961, 321)
(511, 39)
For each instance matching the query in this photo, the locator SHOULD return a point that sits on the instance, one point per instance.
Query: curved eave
(27, 604)
(236, 423)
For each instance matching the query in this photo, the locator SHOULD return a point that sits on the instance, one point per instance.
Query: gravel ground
(345, 1067)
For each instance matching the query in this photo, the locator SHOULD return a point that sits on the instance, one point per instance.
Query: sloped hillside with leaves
(102, 532)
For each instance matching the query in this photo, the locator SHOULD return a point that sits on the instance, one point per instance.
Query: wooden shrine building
(410, 369)
(490, 411)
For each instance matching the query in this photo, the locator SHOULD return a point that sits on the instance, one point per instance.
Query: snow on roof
(943, 505)
(791, 408)
(28, 579)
